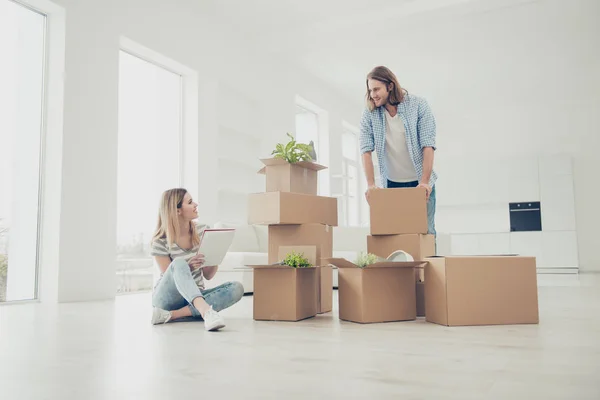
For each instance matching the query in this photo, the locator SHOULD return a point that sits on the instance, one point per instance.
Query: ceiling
(339, 41)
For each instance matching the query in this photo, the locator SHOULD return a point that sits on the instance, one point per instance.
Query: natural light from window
(150, 132)
(22, 33)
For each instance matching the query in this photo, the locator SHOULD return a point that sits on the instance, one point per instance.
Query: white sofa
(250, 247)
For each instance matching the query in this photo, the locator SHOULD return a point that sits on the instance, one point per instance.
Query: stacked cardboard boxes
(451, 290)
(298, 220)
(387, 291)
(399, 222)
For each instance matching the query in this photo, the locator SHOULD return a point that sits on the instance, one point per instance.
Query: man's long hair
(387, 77)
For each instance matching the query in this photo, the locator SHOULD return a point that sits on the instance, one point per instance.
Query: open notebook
(214, 244)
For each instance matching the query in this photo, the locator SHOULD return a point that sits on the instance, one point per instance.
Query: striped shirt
(420, 127)
(160, 248)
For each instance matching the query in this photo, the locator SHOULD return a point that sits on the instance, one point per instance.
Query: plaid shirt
(420, 132)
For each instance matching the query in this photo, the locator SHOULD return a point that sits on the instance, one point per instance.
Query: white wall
(511, 88)
(232, 81)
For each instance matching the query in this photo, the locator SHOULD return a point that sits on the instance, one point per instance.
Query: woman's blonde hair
(168, 221)
(384, 75)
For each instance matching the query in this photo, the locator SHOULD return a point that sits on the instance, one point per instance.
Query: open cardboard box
(380, 292)
(283, 293)
(281, 176)
(282, 208)
(318, 235)
(481, 290)
(324, 273)
(417, 245)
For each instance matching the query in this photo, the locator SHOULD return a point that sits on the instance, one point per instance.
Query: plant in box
(296, 260)
(365, 259)
(293, 151)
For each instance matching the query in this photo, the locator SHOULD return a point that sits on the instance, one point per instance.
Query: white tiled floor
(108, 350)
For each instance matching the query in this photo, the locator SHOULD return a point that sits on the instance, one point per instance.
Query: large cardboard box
(281, 176)
(380, 292)
(324, 274)
(417, 245)
(281, 208)
(320, 236)
(481, 290)
(283, 293)
(398, 211)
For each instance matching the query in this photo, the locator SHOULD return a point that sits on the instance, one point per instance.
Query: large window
(312, 125)
(22, 65)
(350, 170)
(150, 137)
(307, 128)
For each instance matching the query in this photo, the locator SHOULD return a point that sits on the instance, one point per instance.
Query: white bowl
(400, 255)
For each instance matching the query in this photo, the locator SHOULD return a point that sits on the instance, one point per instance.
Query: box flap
(275, 266)
(396, 264)
(343, 263)
(340, 262)
(268, 162)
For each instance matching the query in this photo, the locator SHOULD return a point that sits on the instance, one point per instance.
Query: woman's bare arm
(209, 272)
(163, 263)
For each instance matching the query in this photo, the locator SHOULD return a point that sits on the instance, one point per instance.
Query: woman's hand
(196, 262)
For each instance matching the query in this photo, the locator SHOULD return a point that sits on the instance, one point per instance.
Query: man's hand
(196, 262)
(368, 192)
(427, 189)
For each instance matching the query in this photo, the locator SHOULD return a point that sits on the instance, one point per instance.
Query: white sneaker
(212, 320)
(160, 316)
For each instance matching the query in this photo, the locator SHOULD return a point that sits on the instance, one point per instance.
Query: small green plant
(293, 152)
(296, 260)
(365, 259)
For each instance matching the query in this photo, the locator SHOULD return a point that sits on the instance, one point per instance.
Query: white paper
(215, 244)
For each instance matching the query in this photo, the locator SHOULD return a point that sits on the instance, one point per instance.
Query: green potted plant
(296, 260)
(365, 259)
(293, 151)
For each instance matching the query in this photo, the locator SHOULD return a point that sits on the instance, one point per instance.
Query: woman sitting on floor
(180, 292)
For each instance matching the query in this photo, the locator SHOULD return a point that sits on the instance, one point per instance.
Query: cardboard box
(420, 290)
(281, 208)
(283, 293)
(398, 211)
(281, 176)
(320, 236)
(325, 284)
(481, 290)
(324, 274)
(380, 292)
(417, 245)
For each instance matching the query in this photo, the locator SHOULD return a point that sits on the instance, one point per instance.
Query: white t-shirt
(400, 167)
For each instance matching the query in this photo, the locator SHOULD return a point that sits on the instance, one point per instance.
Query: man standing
(400, 127)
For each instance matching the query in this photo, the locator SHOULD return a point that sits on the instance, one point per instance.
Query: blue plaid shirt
(420, 132)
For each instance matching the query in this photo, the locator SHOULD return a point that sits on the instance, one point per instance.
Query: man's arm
(428, 153)
(367, 146)
(426, 130)
(367, 159)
